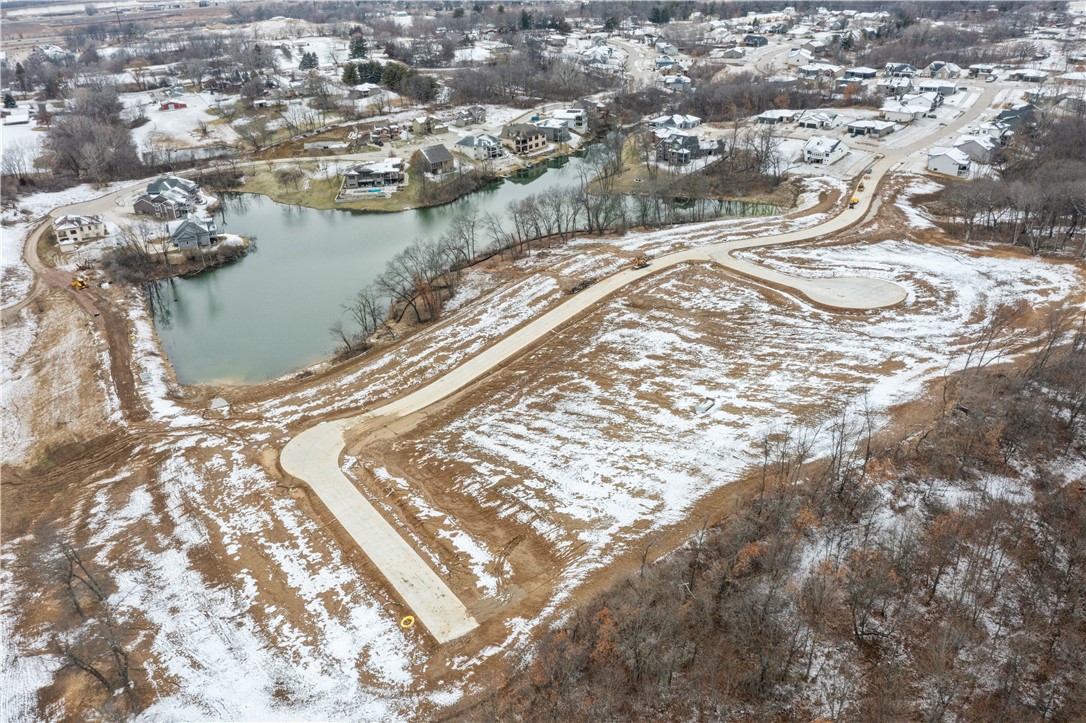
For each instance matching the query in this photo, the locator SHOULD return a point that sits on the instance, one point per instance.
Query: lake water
(269, 313)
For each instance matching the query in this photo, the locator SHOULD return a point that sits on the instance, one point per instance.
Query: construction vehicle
(79, 283)
(861, 186)
(640, 262)
(853, 202)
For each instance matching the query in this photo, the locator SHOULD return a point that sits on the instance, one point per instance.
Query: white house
(934, 85)
(678, 82)
(893, 86)
(799, 56)
(576, 118)
(72, 230)
(948, 161)
(867, 127)
(817, 120)
(481, 147)
(823, 150)
(676, 121)
(772, 117)
(860, 73)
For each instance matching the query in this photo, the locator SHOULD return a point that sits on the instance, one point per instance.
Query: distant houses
(72, 230)
(774, 116)
(679, 147)
(471, 115)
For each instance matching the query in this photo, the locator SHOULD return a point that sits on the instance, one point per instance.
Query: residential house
(977, 69)
(385, 134)
(948, 161)
(817, 120)
(556, 130)
(910, 107)
(893, 86)
(998, 131)
(823, 150)
(772, 117)
(664, 62)
(575, 118)
(820, 70)
(375, 174)
(1014, 117)
(369, 90)
(523, 138)
(172, 105)
(870, 128)
(939, 69)
(733, 53)
(679, 147)
(183, 185)
(192, 232)
(428, 125)
(799, 56)
(481, 147)
(1029, 75)
(666, 48)
(71, 230)
(860, 73)
(934, 85)
(684, 122)
(678, 82)
(900, 70)
(755, 41)
(471, 115)
(436, 159)
(980, 149)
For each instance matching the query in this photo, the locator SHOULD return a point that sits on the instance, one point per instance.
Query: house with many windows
(824, 151)
(72, 230)
(375, 174)
(523, 138)
(482, 147)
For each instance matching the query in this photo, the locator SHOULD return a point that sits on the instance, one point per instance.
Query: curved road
(314, 455)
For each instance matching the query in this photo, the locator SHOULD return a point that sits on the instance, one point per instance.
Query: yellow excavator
(640, 262)
(79, 283)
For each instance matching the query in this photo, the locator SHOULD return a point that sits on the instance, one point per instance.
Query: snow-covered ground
(598, 452)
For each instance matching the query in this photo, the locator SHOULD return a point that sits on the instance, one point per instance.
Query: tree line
(1040, 200)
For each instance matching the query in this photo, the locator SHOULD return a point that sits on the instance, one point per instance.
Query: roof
(952, 153)
(985, 142)
(482, 139)
(436, 153)
(821, 144)
(64, 223)
(197, 223)
(675, 120)
(159, 185)
(513, 130)
(779, 114)
(386, 165)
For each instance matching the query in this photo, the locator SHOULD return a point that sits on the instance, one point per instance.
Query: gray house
(192, 232)
(436, 159)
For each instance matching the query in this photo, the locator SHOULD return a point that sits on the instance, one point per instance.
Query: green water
(269, 313)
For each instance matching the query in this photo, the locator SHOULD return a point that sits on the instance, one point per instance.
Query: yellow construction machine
(79, 283)
(640, 262)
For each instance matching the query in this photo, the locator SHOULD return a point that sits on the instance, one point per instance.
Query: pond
(269, 314)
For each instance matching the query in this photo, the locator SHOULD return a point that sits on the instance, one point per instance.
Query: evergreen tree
(308, 62)
(358, 48)
(525, 20)
(369, 72)
(9, 101)
(20, 76)
(350, 74)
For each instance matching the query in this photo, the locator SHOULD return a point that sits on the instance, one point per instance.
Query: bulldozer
(640, 262)
(853, 202)
(79, 283)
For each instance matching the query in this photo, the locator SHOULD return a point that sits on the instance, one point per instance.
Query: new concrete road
(314, 455)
